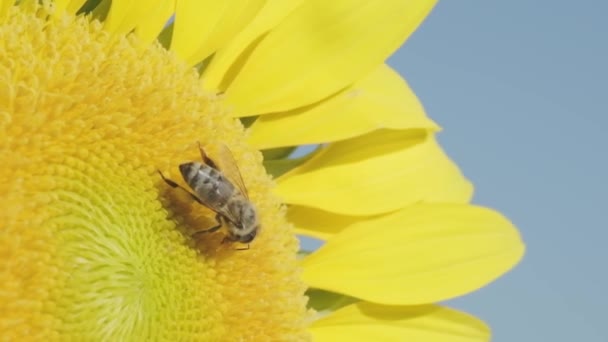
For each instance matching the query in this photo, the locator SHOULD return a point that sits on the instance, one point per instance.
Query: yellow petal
(70, 6)
(4, 6)
(319, 49)
(318, 223)
(119, 14)
(148, 20)
(372, 322)
(421, 254)
(382, 99)
(217, 75)
(154, 19)
(201, 26)
(376, 173)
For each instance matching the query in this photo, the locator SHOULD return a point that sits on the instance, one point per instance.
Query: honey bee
(214, 187)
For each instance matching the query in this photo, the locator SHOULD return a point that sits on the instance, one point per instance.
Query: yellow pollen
(95, 246)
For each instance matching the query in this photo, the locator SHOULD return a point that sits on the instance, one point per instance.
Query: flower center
(95, 244)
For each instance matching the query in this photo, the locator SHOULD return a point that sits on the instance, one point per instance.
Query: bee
(212, 188)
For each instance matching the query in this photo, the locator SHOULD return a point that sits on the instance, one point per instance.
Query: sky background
(520, 90)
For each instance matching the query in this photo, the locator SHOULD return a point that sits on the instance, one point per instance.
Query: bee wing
(227, 164)
(211, 206)
(227, 215)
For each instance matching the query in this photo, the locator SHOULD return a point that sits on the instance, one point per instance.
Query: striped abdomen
(208, 184)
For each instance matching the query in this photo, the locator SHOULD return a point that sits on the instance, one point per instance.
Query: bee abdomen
(208, 183)
(190, 172)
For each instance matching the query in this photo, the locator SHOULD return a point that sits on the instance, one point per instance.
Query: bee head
(247, 238)
(239, 233)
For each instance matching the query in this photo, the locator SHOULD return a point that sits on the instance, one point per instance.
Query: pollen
(95, 246)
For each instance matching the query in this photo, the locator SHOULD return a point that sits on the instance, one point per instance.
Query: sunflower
(97, 97)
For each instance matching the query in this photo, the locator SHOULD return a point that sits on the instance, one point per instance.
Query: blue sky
(519, 88)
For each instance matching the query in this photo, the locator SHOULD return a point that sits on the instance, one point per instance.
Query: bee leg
(212, 229)
(206, 158)
(228, 239)
(175, 185)
(242, 249)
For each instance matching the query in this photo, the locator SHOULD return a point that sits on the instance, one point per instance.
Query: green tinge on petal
(202, 26)
(319, 49)
(222, 69)
(324, 301)
(373, 322)
(278, 153)
(278, 167)
(277, 161)
(376, 173)
(381, 99)
(421, 254)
